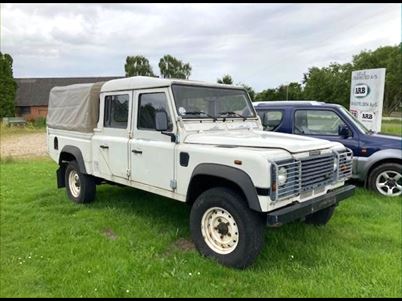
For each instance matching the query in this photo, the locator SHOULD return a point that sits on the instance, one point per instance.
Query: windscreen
(211, 102)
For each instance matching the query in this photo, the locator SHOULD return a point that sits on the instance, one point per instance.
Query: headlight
(282, 176)
(335, 165)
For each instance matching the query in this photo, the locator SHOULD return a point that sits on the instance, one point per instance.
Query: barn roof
(35, 91)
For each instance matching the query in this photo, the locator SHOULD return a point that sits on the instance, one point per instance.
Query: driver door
(152, 154)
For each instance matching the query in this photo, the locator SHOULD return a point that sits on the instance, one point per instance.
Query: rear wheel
(321, 217)
(81, 188)
(386, 179)
(225, 229)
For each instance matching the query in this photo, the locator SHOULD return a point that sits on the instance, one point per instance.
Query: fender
(234, 175)
(365, 163)
(74, 151)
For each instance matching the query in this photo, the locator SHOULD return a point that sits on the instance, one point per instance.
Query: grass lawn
(129, 243)
(392, 126)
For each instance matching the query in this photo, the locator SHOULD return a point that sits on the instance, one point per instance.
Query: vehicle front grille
(311, 173)
(317, 171)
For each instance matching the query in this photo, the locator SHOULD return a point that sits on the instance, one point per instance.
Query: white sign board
(366, 97)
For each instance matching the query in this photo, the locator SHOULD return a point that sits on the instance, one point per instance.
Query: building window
(25, 110)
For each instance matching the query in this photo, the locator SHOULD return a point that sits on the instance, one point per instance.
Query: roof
(144, 82)
(289, 103)
(35, 91)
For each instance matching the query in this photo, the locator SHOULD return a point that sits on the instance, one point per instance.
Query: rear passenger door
(110, 142)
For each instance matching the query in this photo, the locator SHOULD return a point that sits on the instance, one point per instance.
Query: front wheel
(386, 179)
(225, 229)
(81, 188)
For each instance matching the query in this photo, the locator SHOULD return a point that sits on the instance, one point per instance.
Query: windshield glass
(209, 102)
(356, 121)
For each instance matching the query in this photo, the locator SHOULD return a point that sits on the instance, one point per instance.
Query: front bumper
(296, 211)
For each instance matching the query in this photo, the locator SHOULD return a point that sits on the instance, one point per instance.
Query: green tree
(249, 90)
(8, 86)
(138, 65)
(389, 57)
(171, 67)
(226, 79)
(293, 91)
(330, 84)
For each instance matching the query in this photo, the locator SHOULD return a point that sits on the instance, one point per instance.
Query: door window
(270, 119)
(317, 122)
(150, 103)
(116, 111)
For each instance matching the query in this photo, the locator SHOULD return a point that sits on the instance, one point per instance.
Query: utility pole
(287, 87)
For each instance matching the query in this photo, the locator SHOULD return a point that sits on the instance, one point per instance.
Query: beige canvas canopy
(74, 107)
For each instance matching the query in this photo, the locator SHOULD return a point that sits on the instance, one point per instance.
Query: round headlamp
(282, 176)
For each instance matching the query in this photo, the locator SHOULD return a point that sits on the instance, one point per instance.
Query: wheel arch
(378, 163)
(70, 153)
(209, 175)
(67, 154)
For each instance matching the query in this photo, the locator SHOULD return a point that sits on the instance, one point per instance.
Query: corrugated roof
(35, 91)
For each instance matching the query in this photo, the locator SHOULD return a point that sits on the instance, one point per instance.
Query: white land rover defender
(198, 143)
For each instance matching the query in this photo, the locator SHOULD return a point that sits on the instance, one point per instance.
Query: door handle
(136, 151)
(104, 146)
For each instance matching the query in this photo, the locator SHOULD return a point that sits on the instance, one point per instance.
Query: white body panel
(148, 160)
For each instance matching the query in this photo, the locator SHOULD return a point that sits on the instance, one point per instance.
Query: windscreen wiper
(233, 113)
(199, 113)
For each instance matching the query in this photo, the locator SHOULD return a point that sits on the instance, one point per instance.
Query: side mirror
(344, 131)
(161, 121)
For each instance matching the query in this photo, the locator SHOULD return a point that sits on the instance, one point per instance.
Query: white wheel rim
(389, 183)
(220, 230)
(74, 183)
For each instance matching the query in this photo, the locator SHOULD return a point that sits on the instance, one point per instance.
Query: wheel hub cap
(74, 183)
(220, 230)
(389, 183)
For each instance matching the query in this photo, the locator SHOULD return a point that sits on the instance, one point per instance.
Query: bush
(39, 122)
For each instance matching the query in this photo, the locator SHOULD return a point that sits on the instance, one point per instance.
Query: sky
(262, 45)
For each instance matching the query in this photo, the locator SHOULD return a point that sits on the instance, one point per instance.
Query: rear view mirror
(161, 121)
(344, 131)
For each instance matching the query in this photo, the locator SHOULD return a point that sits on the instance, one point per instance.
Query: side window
(270, 119)
(148, 104)
(116, 111)
(317, 122)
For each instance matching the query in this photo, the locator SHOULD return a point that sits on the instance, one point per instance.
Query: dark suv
(377, 157)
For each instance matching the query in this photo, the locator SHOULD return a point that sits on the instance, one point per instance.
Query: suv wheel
(386, 179)
(81, 188)
(224, 228)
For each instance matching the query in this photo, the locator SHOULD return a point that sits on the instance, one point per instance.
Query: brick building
(32, 96)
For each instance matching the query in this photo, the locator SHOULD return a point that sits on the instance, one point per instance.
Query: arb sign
(366, 97)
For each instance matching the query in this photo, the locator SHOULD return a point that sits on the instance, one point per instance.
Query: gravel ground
(24, 145)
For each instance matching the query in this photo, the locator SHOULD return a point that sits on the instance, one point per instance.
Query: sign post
(366, 97)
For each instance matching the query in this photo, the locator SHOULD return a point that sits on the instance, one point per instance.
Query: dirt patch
(109, 234)
(183, 245)
(24, 145)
